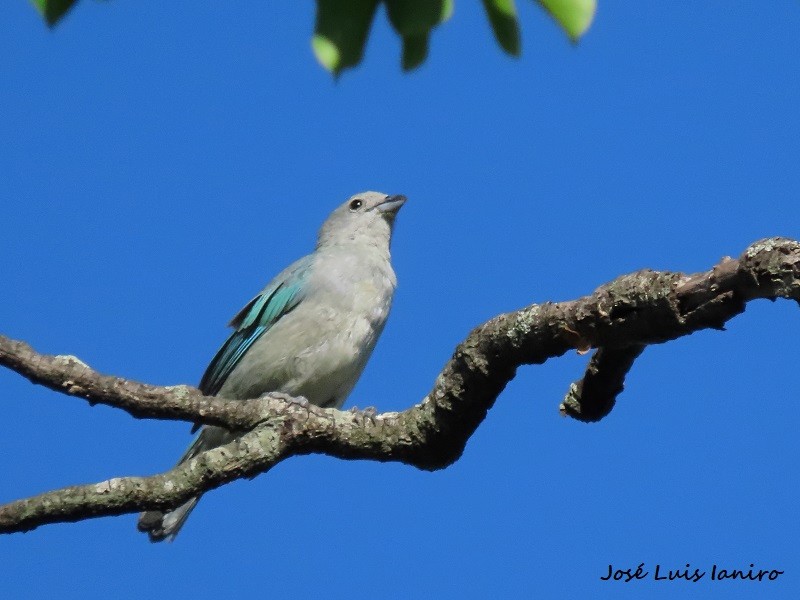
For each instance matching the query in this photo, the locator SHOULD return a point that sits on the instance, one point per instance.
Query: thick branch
(621, 317)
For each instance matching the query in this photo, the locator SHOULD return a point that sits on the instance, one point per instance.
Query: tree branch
(593, 397)
(620, 318)
(70, 376)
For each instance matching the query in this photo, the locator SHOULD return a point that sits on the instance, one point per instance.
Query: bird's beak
(391, 204)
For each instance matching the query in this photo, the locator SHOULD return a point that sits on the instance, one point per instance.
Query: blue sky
(162, 161)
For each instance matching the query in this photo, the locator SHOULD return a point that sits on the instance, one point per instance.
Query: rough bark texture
(620, 318)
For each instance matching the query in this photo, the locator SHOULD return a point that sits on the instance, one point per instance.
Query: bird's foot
(369, 412)
(301, 401)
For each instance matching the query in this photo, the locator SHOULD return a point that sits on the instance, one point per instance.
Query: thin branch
(71, 376)
(632, 311)
(593, 397)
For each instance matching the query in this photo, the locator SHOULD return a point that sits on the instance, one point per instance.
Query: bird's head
(366, 218)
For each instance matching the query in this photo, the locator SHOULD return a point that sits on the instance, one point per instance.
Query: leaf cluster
(342, 27)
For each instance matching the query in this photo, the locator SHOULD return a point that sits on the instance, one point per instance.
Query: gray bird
(309, 333)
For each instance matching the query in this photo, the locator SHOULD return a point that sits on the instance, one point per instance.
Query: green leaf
(415, 17)
(341, 31)
(53, 10)
(415, 51)
(574, 16)
(413, 20)
(503, 17)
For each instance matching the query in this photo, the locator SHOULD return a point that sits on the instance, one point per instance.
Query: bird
(308, 333)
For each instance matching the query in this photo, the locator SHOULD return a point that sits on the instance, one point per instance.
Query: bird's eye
(355, 205)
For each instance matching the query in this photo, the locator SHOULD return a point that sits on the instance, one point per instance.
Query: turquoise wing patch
(256, 318)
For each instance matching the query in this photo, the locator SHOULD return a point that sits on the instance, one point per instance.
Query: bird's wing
(280, 297)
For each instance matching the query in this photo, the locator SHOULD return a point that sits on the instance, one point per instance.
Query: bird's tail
(160, 525)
